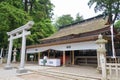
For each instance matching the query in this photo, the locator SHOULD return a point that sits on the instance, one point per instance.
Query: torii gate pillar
(17, 33)
(22, 61)
(8, 66)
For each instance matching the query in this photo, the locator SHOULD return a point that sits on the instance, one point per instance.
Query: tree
(64, 20)
(26, 4)
(10, 18)
(41, 12)
(117, 25)
(42, 7)
(109, 7)
(41, 30)
(13, 15)
(16, 3)
(78, 18)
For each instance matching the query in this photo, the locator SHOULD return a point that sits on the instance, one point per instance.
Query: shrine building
(74, 44)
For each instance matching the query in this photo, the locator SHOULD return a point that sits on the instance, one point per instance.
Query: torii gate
(17, 33)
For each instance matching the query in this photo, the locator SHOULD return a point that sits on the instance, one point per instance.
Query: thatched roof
(85, 30)
(84, 26)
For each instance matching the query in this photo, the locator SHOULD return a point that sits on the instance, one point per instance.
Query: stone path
(37, 76)
(83, 72)
(9, 75)
(50, 73)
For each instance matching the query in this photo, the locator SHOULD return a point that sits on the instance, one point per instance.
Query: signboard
(50, 62)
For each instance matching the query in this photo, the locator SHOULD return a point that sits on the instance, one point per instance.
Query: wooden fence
(113, 71)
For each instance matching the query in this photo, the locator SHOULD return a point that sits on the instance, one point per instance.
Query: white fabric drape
(66, 47)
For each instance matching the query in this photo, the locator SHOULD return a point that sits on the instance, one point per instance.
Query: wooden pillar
(34, 57)
(73, 58)
(38, 56)
(64, 62)
(48, 53)
(70, 58)
(54, 54)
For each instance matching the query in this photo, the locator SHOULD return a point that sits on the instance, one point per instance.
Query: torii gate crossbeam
(17, 33)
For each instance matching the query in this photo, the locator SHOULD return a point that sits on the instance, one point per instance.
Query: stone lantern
(14, 55)
(102, 52)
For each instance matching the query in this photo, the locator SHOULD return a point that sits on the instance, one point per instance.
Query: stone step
(55, 76)
(65, 76)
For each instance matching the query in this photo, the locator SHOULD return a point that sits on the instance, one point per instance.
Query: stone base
(99, 70)
(21, 71)
(8, 67)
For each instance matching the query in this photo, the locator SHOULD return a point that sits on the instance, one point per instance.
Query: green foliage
(78, 18)
(10, 18)
(117, 25)
(108, 7)
(64, 20)
(40, 9)
(41, 12)
(13, 15)
(41, 30)
(16, 3)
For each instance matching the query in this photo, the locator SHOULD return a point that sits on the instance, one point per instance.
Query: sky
(73, 7)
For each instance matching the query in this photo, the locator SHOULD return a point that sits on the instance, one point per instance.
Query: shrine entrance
(18, 33)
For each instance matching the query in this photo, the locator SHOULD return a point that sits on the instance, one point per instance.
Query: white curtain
(66, 47)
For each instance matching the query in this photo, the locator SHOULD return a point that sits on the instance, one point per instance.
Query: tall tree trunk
(25, 6)
(31, 5)
(117, 9)
(110, 18)
(110, 12)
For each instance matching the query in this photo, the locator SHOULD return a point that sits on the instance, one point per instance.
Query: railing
(86, 60)
(93, 59)
(113, 60)
(113, 71)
